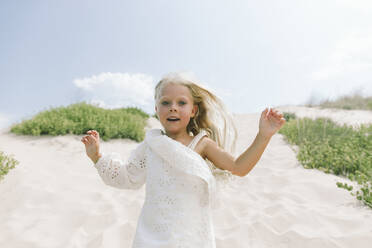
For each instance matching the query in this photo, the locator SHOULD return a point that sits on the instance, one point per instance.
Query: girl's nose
(173, 108)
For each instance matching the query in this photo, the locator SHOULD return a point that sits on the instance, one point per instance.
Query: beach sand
(55, 197)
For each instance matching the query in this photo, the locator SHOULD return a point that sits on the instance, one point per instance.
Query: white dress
(179, 190)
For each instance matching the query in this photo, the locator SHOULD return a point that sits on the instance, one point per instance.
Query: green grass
(348, 102)
(340, 150)
(80, 117)
(6, 163)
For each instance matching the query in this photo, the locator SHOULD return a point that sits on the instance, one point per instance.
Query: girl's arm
(270, 122)
(115, 172)
(249, 158)
(112, 169)
(95, 158)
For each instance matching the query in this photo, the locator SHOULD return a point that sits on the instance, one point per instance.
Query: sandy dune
(55, 198)
(353, 118)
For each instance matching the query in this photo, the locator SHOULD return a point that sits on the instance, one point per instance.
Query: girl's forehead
(175, 90)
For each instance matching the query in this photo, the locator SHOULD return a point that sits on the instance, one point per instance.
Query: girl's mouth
(173, 119)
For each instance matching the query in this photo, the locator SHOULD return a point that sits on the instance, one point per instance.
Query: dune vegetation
(6, 163)
(348, 102)
(331, 148)
(80, 117)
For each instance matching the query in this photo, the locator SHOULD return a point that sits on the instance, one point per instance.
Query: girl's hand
(270, 122)
(91, 142)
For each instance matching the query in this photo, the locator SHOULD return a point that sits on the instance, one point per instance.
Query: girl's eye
(181, 102)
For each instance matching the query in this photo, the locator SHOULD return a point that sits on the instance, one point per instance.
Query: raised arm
(243, 164)
(270, 122)
(124, 175)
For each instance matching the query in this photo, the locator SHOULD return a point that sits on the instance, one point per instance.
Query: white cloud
(116, 90)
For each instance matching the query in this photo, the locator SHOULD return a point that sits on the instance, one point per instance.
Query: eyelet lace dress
(180, 188)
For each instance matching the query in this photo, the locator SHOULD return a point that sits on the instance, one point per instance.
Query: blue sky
(252, 54)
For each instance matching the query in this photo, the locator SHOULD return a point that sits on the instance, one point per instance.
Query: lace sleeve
(130, 175)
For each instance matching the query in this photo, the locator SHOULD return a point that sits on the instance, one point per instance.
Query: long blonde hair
(212, 116)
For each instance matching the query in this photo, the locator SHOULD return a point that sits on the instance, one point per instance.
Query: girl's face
(175, 108)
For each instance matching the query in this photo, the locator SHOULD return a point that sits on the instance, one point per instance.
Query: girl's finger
(264, 113)
(94, 133)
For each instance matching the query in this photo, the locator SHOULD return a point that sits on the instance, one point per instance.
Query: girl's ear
(195, 110)
(156, 113)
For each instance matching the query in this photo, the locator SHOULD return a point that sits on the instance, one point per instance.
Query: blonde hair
(211, 116)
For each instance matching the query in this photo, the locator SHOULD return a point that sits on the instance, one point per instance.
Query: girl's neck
(181, 137)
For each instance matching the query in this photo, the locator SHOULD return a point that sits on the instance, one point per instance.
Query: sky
(251, 54)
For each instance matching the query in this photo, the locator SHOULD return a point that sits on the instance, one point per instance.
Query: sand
(55, 197)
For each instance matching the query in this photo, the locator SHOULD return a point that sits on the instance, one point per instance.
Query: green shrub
(289, 116)
(6, 163)
(80, 117)
(340, 150)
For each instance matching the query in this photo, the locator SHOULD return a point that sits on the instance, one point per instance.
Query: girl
(180, 164)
